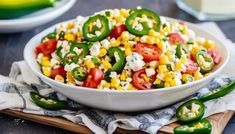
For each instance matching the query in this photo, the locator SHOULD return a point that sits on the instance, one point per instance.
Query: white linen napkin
(14, 94)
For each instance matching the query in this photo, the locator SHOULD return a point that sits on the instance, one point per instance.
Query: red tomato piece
(140, 83)
(47, 47)
(175, 39)
(58, 71)
(94, 78)
(117, 31)
(216, 55)
(191, 67)
(149, 52)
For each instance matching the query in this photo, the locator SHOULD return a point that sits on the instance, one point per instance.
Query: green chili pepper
(49, 36)
(58, 52)
(190, 111)
(17, 8)
(161, 85)
(95, 60)
(120, 63)
(79, 74)
(189, 78)
(200, 127)
(89, 28)
(169, 66)
(222, 91)
(70, 57)
(146, 27)
(47, 103)
(83, 46)
(61, 35)
(181, 50)
(205, 61)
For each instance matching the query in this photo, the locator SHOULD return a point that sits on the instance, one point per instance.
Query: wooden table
(12, 45)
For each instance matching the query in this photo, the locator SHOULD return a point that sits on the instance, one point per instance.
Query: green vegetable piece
(47, 103)
(200, 127)
(190, 111)
(49, 36)
(90, 33)
(181, 50)
(79, 74)
(70, 57)
(222, 91)
(138, 13)
(205, 61)
(83, 46)
(95, 60)
(120, 63)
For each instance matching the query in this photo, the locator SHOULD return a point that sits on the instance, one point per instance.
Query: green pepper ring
(105, 30)
(83, 46)
(73, 60)
(179, 49)
(145, 30)
(208, 58)
(79, 74)
(118, 66)
(183, 119)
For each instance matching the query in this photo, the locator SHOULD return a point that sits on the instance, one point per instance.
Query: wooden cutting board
(219, 121)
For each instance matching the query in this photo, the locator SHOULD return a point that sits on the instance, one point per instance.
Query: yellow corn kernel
(106, 64)
(197, 75)
(98, 87)
(89, 64)
(103, 52)
(70, 78)
(70, 37)
(150, 40)
(146, 78)
(169, 55)
(209, 44)
(178, 66)
(162, 69)
(152, 33)
(131, 87)
(125, 36)
(120, 19)
(44, 58)
(119, 88)
(137, 39)
(128, 51)
(157, 81)
(161, 45)
(46, 71)
(116, 43)
(59, 78)
(123, 75)
(115, 82)
(128, 44)
(166, 84)
(46, 63)
(195, 50)
(79, 34)
(163, 60)
(183, 60)
(124, 13)
(184, 77)
(173, 82)
(106, 85)
(184, 29)
(70, 25)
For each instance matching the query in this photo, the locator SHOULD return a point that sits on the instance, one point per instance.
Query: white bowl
(126, 101)
(35, 19)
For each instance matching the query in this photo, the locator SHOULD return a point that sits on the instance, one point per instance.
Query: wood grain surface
(12, 45)
(219, 121)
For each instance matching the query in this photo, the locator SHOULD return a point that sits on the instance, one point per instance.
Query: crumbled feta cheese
(150, 72)
(191, 34)
(97, 33)
(105, 43)
(117, 58)
(178, 81)
(128, 79)
(113, 74)
(95, 49)
(55, 63)
(70, 67)
(116, 13)
(153, 63)
(39, 58)
(138, 7)
(143, 39)
(135, 61)
(98, 23)
(138, 26)
(160, 76)
(77, 50)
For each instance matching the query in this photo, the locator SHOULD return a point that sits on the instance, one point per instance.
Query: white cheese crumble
(113, 74)
(70, 67)
(95, 49)
(135, 61)
(150, 72)
(105, 43)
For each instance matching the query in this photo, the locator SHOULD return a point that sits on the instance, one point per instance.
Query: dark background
(12, 45)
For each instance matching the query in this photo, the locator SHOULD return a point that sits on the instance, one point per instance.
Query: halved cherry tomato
(94, 78)
(47, 47)
(216, 55)
(58, 71)
(139, 82)
(149, 52)
(117, 31)
(191, 67)
(175, 39)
